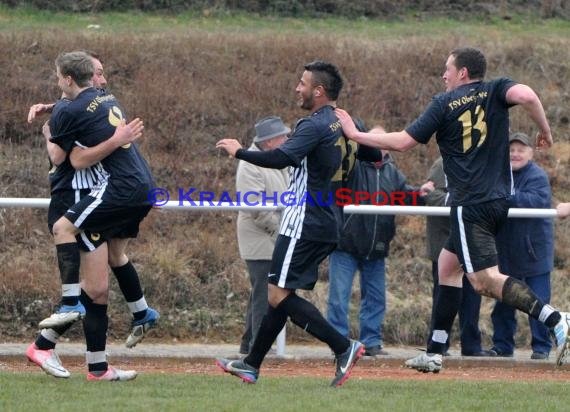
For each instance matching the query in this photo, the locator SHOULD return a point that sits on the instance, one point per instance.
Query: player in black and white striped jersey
(309, 226)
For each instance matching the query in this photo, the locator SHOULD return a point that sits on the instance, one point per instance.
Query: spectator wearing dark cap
(257, 230)
(526, 249)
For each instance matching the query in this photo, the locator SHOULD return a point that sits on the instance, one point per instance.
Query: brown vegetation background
(194, 88)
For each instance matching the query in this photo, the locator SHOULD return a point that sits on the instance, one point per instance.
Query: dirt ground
(365, 369)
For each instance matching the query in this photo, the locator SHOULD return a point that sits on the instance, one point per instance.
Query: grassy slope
(26, 20)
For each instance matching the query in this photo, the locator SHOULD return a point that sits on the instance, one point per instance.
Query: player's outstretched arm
(231, 146)
(524, 96)
(398, 141)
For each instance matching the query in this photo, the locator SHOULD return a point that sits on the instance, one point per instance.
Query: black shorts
(94, 215)
(473, 231)
(59, 203)
(295, 262)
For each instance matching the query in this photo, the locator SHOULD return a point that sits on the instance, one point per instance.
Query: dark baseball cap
(520, 137)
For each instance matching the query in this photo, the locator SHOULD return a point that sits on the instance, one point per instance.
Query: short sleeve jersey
(91, 119)
(471, 124)
(64, 177)
(314, 148)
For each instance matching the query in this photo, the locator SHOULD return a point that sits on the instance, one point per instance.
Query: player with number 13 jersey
(469, 148)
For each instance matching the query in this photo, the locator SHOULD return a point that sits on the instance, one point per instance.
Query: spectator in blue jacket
(526, 249)
(363, 246)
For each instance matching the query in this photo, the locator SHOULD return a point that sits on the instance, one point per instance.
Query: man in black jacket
(363, 246)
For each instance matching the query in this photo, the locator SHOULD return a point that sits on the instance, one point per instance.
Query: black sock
(518, 295)
(68, 260)
(130, 285)
(305, 315)
(95, 326)
(446, 308)
(271, 324)
(46, 344)
(553, 319)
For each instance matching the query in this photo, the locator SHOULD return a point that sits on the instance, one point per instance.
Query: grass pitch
(191, 392)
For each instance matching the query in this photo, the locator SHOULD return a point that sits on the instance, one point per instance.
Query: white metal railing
(225, 206)
(350, 209)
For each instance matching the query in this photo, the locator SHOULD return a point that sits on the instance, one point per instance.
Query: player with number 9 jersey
(87, 121)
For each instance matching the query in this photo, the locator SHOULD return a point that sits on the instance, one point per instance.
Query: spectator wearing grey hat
(257, 230)
(526, 250)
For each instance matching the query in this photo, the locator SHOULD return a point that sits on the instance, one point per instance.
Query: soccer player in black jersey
(67, 186)
(471, 124)
(65, 192)
(309, 229)
(115, 206)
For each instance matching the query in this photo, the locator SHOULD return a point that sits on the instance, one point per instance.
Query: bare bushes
(191, 90)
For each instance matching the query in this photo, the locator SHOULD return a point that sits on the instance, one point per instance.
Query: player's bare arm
(39, 109)
(524, 96)
(125, 134)
(55, 153)
(398, 141)
(231, 146)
